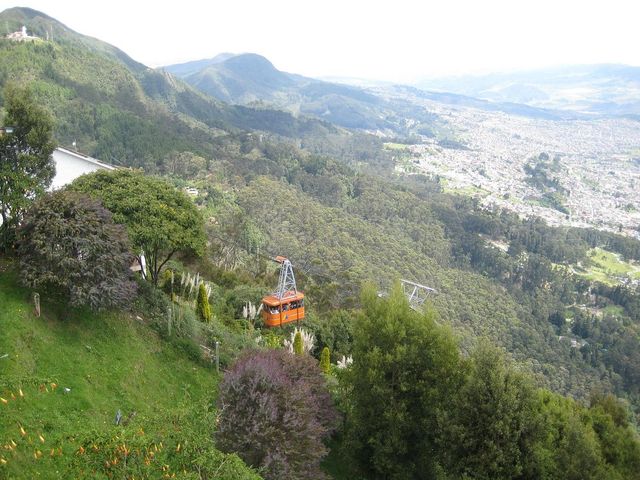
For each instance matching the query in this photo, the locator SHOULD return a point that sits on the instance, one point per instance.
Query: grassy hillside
(108, 362)
(608, 268)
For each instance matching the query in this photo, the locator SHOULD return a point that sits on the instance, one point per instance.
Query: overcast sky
(397, 40)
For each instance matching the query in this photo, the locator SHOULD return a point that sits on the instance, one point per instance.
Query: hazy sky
(398, 40)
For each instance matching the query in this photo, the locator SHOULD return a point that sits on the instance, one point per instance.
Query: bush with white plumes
(250, 312)
(308, 340)
(345, 362)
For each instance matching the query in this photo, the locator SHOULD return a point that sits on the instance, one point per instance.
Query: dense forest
(330, 200)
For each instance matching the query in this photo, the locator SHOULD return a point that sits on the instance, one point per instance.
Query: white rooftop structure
(70, 165)
(21, 36)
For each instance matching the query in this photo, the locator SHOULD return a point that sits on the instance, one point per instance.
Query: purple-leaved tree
(275, 411)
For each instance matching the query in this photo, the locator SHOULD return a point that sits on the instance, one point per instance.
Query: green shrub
(237, 298)
(298, 345)
(204, 310)
(272, 340)
(152, 305)
(183, 321)
(325, 363)
(189, 347)
(231, 342)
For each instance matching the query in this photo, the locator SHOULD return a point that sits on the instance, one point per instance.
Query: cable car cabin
(277, 312)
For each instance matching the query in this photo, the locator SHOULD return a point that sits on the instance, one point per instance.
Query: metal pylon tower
(287, 281)
(416, 293)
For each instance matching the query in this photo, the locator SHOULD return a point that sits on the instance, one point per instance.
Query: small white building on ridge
(21, 36)
(70, 165)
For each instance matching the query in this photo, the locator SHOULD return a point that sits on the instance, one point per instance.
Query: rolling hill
(118, 109)
(600, 89)
(249, 78)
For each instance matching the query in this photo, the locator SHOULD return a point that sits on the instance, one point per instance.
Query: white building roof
(71, 165)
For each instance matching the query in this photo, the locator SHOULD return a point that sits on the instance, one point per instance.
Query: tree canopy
(26, 164)
(275, 413)
(405, 369)
(69, 241)
(494, 423)
(160, 220)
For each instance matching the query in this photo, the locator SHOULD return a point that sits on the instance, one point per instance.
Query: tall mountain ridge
(249, 78)
(115, 107)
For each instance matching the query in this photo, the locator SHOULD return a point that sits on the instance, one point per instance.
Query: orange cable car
(286, 304)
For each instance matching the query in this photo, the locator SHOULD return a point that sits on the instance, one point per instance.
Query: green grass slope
(108, 362)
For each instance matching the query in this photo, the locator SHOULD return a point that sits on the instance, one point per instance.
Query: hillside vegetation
(67, 374)
(122, 111)
(341, 221)
(330, 200)
(250, 79)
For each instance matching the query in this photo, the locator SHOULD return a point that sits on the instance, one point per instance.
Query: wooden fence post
(36, 303)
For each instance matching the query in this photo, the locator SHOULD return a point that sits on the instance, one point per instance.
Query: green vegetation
(468, 191)
(251, 79)
(398, 147)
(404, 373)
(332, 200)
(67, 373)
(203, 308)
(160, 220)
(69, 245)
(541, 174)
(298, 346)
(494, 427)
(26, 165)
(554, 200)
(607, 267)
(416, 409)
(124, 113)
(325, 360)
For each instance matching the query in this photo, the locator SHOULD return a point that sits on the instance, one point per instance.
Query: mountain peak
(27, 12)
(240, 63)
(36, 21)
(42, 25)
(256, 67)
(230, 77)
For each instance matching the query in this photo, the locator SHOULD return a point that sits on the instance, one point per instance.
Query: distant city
(596, 165)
